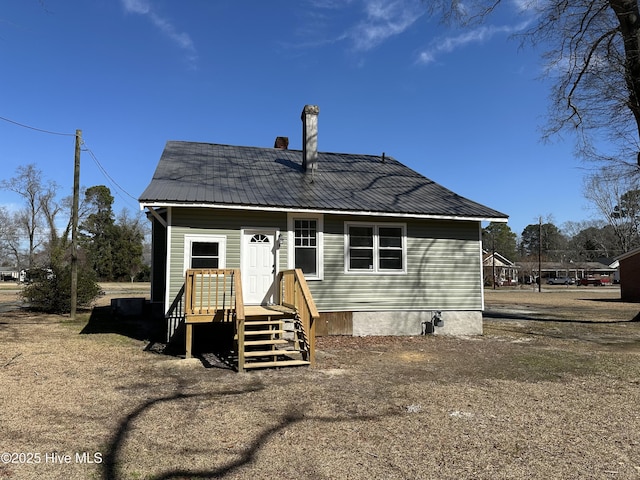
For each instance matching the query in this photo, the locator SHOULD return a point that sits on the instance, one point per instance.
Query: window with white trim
(205, 255)
(305, 244)
(305, 252)
(375, 248)
(204, 251)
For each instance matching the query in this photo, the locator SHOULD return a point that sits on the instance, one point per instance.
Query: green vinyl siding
(443, 260)
(207, 221)
(443, 270)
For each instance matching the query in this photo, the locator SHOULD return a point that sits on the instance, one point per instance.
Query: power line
(87, 149)
(105, 173)
(37, 129)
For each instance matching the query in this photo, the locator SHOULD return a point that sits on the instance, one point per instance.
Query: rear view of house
(383, 249)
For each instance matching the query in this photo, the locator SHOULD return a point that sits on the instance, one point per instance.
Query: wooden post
(241, 359)
(540, 255)
(312, 340)
(74, 226)
(189, 342)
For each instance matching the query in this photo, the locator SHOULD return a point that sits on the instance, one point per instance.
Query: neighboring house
(499, 268)
(628, 265)
(577, 270)
(9, 275)
(382, 247)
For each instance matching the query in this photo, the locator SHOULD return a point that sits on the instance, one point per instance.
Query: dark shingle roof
(205, 173)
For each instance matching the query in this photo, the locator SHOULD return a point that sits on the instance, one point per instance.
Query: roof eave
(155, 204)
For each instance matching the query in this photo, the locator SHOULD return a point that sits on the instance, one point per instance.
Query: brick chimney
(282, 143)
(310, 138)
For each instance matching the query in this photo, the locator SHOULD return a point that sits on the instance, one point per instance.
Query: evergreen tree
(99, 232)
(498, 237)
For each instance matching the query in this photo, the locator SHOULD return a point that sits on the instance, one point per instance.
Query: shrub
(51, 289)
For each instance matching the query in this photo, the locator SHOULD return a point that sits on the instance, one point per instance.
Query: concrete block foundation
(417, 323)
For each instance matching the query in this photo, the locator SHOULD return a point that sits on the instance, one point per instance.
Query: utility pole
(74, 226)
(493, 257)
(540, 254)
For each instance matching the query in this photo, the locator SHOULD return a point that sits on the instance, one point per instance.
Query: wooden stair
(273, 338)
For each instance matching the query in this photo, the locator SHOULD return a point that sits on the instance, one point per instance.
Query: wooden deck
(215, 295)
(267, 310)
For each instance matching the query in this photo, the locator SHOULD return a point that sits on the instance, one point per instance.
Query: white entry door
(258, 266)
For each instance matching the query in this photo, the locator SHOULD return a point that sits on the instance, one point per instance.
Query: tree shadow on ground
(545, 317)
(604, 300)
(111, 458)
(294, 414)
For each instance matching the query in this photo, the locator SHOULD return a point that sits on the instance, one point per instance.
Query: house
(499, 268)
(628, 265)
(381, 247)
(580, 269)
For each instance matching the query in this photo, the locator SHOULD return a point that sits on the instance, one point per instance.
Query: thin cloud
(383, 20)
(329, 4)
(331, 21)
(181, 39)
(479, 35)
(528, 5)
(136, 6)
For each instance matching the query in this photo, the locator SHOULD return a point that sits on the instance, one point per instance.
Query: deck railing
(175, 314)
(293, 292)
(212, 295)
(216, 295)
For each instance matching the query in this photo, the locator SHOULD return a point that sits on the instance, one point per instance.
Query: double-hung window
(204, 251)
(205, 255)
(375, 248)
(306, 245)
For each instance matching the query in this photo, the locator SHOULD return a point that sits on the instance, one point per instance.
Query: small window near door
(205, 255)
(306, 246)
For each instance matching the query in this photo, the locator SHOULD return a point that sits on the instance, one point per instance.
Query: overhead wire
(104, 171)
(37, 129)
(86, 149)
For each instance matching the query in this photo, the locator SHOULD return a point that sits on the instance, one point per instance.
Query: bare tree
(28, 184)
(617, 199)
(590, 240)
(9, 239)
(36, 220)
(592, 52)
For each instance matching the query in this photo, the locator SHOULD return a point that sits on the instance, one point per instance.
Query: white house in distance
(499, 268)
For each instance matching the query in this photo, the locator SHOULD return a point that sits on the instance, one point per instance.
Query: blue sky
(462, 107)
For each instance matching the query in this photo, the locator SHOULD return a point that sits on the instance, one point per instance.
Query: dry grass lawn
(551, 390)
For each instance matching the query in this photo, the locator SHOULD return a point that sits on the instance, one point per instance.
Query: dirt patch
(546, 395)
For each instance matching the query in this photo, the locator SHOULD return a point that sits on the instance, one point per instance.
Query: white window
(305, 245)
(375, 248)
(204, 251)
